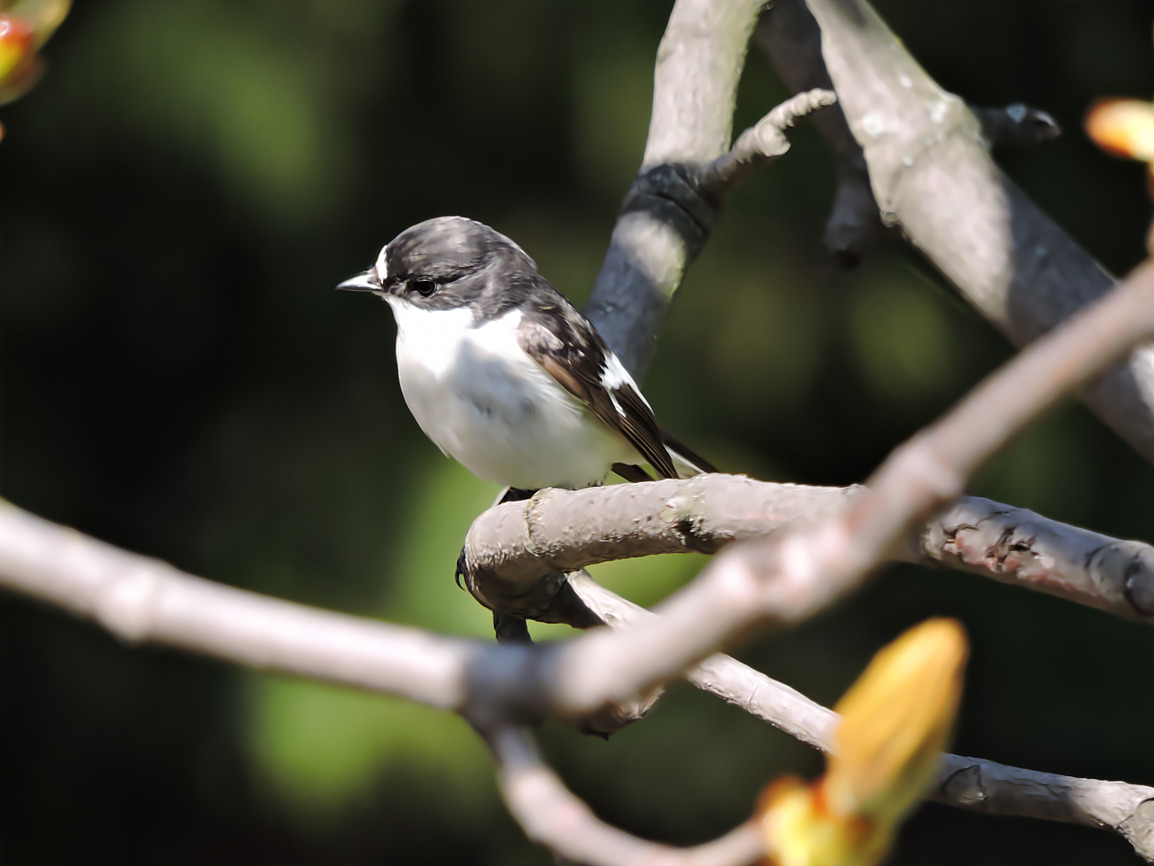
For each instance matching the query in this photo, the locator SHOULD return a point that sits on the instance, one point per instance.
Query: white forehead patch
(382, 265)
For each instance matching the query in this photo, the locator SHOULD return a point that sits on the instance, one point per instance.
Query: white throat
(490, 406)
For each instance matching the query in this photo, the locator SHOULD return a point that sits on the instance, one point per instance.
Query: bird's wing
(571, 351)
(694, 462)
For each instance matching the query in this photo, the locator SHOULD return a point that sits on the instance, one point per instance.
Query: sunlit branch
(510, 546)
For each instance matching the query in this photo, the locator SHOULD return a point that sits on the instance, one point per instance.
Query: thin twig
(761, 144)
(552, 815)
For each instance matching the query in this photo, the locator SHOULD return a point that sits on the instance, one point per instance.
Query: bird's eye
(424, 288)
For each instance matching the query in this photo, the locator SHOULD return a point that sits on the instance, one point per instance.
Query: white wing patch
(616, 405)
(615, 376)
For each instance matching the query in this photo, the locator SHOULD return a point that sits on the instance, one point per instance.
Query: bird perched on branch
(503, 373)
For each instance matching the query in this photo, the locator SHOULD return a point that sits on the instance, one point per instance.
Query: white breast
(487, 404)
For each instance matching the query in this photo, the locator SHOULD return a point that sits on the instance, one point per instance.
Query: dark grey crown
(469, 264)
(448, 247)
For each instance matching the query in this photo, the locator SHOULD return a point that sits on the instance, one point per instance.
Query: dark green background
(180, 195)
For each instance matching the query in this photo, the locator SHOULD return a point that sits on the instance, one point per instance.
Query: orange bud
(1124, 127)
(42, 17)
(16, 47)
(800, 829)
(25, 25)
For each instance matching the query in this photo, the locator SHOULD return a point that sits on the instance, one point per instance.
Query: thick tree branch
(790, 38)
(510, 546)
(932, 177)
(1021, 548)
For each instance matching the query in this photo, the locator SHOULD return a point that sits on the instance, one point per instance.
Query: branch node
(126, 607)
(681, 515)
(1135, 561)
(672, 192)
(966, 788)
(1138, 829)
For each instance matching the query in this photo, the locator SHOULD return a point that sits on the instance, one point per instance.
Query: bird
(503, 373)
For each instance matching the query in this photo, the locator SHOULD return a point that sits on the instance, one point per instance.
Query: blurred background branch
(929, 165)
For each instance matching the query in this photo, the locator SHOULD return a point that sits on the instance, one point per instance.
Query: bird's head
(446, 263)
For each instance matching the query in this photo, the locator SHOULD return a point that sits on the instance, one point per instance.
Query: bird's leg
(515, 494)
(511, 494)
(510, 628)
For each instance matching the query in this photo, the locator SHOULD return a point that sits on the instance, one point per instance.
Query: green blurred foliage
(181, 193)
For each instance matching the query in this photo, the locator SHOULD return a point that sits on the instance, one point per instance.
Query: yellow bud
(894, 725)
(896, 720)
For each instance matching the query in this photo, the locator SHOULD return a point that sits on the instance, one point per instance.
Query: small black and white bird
(503, 373)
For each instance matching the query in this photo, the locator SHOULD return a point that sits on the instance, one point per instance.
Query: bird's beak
(366, 282)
